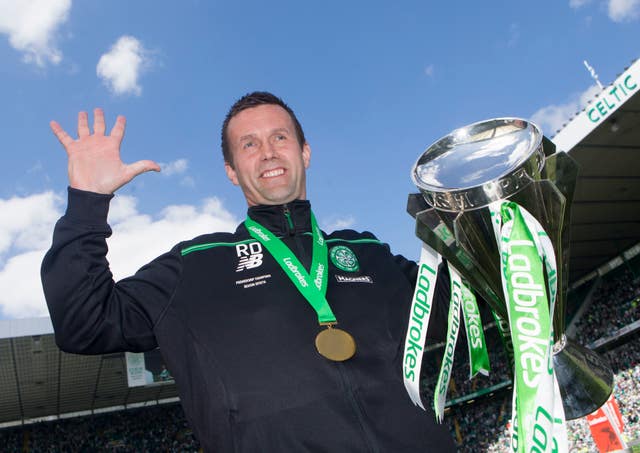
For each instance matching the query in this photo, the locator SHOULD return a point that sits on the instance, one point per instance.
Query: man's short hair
(254, 100)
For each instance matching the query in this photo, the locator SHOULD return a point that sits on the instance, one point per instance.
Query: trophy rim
(479, 195)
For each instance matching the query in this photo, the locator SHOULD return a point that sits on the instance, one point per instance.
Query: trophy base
(584, 378)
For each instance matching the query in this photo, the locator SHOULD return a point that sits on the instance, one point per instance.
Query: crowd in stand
(499, 371)
(479, 426)
(483, 425)
(144, 430)
(461, 384)
(616, 303)
(625, 361)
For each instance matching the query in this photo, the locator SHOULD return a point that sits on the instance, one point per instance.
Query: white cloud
(174, 168)
(32, 25)
(428, 71)
(188, 181)
(338, 223)
(575, 4)
(25, 234)
(137, 238)
(121, 67)
(618, 10)
(21, 295)
(150, 237)
(514, 35)
(36, 168)
(624, 10)
(121, 208)
(552, 117)
(178, 167)
(26, 222)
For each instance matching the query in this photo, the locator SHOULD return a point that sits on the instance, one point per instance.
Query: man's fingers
(142, 166)
(83, 125)
(98, 122)
(118, 128)
(62, 136)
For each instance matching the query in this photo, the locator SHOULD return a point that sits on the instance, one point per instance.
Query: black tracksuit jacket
(239, 338)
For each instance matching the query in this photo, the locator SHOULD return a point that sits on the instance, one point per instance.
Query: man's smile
(272, 173)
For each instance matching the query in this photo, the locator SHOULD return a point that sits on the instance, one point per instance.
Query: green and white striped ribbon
(462, 299)
(478, 355)
(538, 423)
(453, 328)
(421, 305)
(505, 336)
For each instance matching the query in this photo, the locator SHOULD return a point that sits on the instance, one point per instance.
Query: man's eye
(247, 145)
(281, 137)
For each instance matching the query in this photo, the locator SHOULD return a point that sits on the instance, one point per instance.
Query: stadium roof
(38, 381)
(604, 138)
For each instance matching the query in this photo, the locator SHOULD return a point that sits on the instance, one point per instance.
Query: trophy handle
(435, 229)
(562, 171)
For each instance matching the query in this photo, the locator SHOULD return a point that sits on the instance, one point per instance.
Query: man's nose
(268, 150)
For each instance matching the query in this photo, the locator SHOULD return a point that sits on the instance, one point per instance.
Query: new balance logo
(249, 262)
(250, 255)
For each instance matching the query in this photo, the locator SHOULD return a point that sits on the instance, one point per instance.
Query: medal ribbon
(538, 416)
(313, 290)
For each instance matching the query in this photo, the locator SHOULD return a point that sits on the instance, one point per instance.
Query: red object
(607, 426)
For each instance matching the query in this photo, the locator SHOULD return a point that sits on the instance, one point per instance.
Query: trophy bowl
(458, 177)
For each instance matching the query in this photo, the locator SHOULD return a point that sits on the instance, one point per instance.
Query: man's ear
(231, 173)
(306, 155)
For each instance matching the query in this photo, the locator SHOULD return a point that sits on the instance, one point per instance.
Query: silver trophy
(506, 159)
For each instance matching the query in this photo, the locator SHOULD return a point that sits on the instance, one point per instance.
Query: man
(263, 360)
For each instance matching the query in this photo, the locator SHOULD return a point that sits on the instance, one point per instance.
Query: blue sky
(373, 84)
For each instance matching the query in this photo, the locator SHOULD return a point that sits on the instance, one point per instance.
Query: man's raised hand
(94, 159)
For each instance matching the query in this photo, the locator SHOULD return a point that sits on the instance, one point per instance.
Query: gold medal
(335, 344)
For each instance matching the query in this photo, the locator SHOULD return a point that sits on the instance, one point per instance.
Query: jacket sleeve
(91, 314)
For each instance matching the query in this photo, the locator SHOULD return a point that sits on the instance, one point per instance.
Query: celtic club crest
(343, 258)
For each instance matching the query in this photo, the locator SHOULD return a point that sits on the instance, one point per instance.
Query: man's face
(268, 162)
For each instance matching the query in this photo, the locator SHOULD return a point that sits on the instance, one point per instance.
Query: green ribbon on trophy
(453, 327)
(478, 355)
(462, 299)
(505, 335)
(526, 251)
(419, 314)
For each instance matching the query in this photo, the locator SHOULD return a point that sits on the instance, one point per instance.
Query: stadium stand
(481, 424)
(616, 304)
(158, 429)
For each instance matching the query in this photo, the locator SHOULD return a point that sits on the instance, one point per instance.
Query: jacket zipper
(287, 215)
(301, 253)
(368, 438)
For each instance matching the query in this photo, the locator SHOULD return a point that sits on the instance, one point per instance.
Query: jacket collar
(274, 217)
